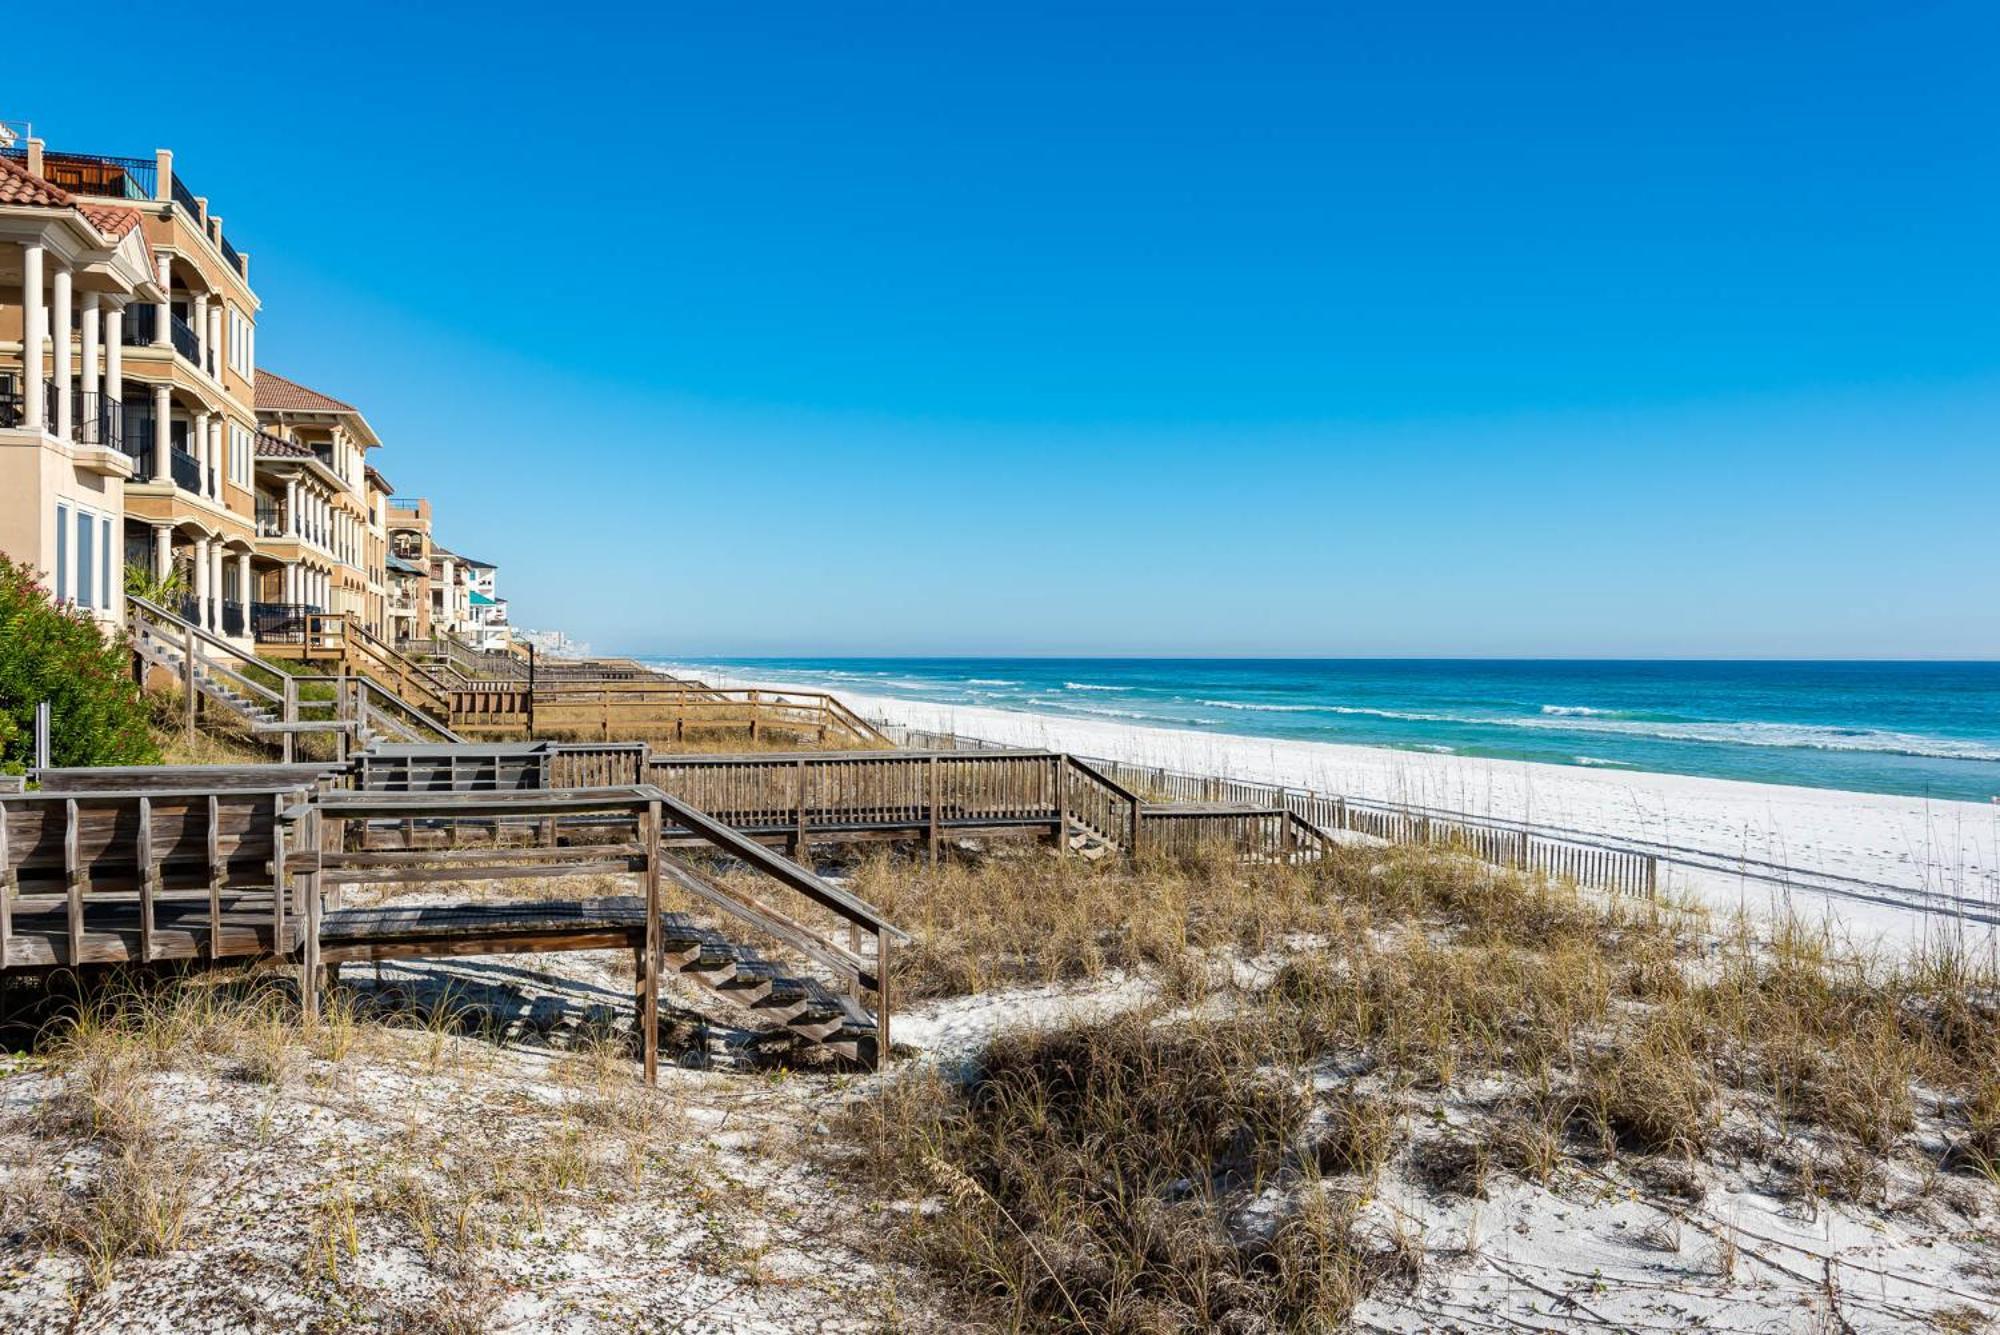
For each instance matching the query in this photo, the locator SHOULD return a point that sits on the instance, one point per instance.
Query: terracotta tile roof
(276, 394)
(272, 447)
(20, 186)
(110, 219)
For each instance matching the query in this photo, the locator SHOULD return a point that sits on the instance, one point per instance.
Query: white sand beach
(1901, 871)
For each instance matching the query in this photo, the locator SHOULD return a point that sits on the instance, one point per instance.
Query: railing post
(882, 999)
(1062, 805)
(650, 981)
(931, 806)
(799, 840)
(187, 661)
(309, 954)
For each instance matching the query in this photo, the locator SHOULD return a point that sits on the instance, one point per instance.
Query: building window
(62, 553)
(86, 532)
(105, 530)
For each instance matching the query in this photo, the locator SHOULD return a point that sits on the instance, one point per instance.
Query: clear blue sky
(1394, 329)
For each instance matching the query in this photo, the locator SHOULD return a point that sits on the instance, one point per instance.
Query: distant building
(314, 511)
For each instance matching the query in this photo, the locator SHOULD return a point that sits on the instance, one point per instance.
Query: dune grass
(1198, 1162)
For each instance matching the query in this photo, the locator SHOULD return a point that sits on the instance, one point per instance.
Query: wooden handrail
(153, 611)
(828, 896)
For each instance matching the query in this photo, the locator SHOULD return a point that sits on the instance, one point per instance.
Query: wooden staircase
(359, 712)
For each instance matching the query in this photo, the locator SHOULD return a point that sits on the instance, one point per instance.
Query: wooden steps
(801, 1008)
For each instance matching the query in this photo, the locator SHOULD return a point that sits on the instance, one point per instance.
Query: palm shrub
(60, 655)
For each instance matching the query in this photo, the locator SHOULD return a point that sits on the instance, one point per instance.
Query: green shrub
(62, 656)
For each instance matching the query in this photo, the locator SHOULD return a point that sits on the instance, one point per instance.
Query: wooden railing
(209, 667)
(1563, 855)
(659, 712)
(144, 874)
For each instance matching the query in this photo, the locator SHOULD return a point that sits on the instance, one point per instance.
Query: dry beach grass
(1335, 1082)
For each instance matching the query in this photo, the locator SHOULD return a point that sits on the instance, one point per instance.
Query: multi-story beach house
(486, 610)
(127, 382)
(451, 593)
(313, 508)
(409, 568)
(375, 551)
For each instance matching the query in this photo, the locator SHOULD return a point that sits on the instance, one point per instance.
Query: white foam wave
(1578, 711)
(1091, 686)
(990, 681)
(1269, 709)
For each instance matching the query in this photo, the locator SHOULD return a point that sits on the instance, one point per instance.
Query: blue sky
(1402, 329)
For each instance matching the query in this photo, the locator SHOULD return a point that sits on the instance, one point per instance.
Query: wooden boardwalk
(256, 865)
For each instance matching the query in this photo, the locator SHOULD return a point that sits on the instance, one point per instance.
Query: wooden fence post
(309, 955)
(649, 1022)
(931, 787)
(799, 840)
(882, 999)
(1062, 805)
(187, 661)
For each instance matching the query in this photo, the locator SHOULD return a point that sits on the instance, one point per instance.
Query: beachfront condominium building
(408, 520)
(451, 593)
(313, 507)
(485, 609)
(375, 550)
(126, 382)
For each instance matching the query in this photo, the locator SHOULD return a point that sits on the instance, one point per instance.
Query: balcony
(187, 470)
(184, 340)
(281, 623)
(100, 421)
(125, 178)
(140, 321)
(14, 405)
(232, 617)
(94, 174)
(270, 521)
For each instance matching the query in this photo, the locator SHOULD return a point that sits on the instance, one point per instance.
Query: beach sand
(1931, 868)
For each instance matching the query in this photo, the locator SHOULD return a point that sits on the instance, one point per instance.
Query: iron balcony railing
(280, 623)
(185, 342)
(140, 322)
(13, 404)
(185, 198)
(100, 420)
(270, 521)
(229, 253)
(232, 617)
(97, 173)
(187, 470)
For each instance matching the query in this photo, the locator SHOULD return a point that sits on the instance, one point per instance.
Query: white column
(243, 590)
(65, 410)
(214, 612)
(114, 351)
(93, 337)
(291, 513)
(163, 310)
(219, 461)
(32, 334)
(215, 337)
(288, 582)
(198, 447)
(201, 573)
(163, 435)
(200, 323)
(163, 551)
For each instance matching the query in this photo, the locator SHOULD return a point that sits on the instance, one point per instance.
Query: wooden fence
(1593, 865)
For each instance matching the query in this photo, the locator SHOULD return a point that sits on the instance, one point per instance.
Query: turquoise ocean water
(1928, 729)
